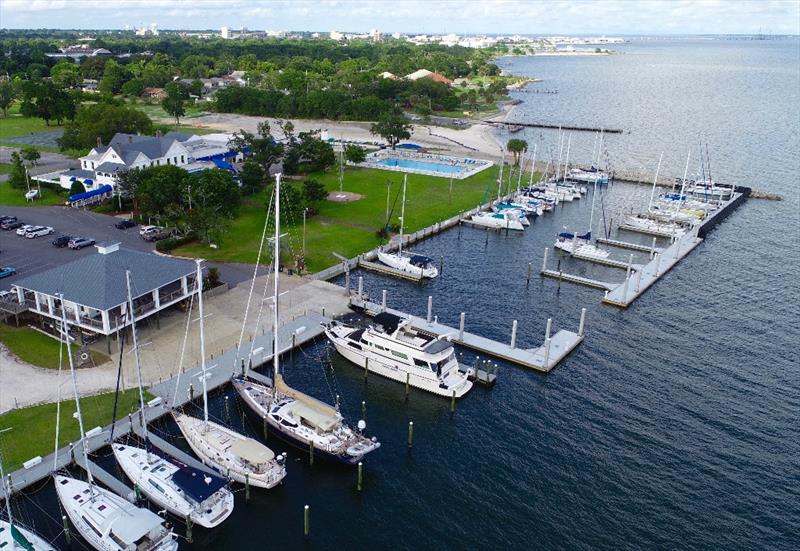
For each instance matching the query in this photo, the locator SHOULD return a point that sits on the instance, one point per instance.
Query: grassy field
(16, 197)
(37, 349)
(33, 428)
(5, 168)
(351, 228)
(156, 112)
(16, 125)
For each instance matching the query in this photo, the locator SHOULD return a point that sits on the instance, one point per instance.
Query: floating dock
(610, 262)
(580, 280)
(630, 246)
(542, 359)
(655, 233)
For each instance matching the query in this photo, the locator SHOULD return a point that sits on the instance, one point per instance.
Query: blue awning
(223, 164)
(89, 194)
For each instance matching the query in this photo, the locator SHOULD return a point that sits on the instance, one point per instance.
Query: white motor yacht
(394, 349)
(498, 220)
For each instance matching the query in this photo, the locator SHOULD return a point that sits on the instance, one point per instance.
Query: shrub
(172, 243)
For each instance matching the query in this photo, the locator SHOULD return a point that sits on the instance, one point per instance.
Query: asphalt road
(30, 256)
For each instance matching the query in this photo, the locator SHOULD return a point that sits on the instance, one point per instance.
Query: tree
(133, 88)
(517, 147)
(313, 193)
(66, 74)
(213, 198)
(18, 177)
(161, 192)
(354, 153)
(127, 184)
(262, 147)
(392, 126)
(114, 76)
(45, 100)
(8, 93)
(102, 121)
(292, 204)
(252, 177)
(31, 154)
(173, 103)
(76, 188)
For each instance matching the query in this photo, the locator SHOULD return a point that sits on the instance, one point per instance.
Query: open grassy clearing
(33, 428)
(351, 228)
(13, 197)
(37, 349)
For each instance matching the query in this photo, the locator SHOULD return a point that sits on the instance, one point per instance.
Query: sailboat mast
(655, 180)
(519, 177)
(402, 215)
(560, 151)
(533, 164)
(502, 165)
(136, 354)
(591, 212)
(276, 269)
(708, 163)
(199, 277)
(566, 161)
(683, 185)
(75, 392)
(7, 492)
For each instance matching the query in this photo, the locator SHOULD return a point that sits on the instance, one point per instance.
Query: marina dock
(543, 358)
(556, 126)
(630, 246)
(580, 280)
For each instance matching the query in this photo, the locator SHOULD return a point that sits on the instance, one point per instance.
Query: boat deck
(542, 358)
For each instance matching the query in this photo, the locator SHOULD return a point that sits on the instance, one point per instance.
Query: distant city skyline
(415, 16)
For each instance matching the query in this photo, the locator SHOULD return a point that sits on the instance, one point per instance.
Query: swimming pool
(425, 163)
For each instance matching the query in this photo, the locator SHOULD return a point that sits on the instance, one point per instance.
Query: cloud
(475, 16)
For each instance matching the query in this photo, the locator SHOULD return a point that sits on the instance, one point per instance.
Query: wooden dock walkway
(654, 233)
(636, 284)
(387, 270)
(627, 245)
(610, 262)
(580, 280)
(543, 358)
(556, 126)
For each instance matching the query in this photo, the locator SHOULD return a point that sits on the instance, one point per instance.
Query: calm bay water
(674, 425)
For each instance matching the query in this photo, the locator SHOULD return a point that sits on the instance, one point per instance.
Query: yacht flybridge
(394, 349)
(239, 457)
(166, 481)
(298, 418)
(104, 519)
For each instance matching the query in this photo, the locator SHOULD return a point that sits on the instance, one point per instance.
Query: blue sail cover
(198, 485)
(567, 235)
(420, 260)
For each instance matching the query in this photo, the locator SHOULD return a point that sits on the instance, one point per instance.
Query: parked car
(81, 242)
(24, 229)
(7, 271)
(39, 232)
(11, 224)
(62, 241)
(7, 221)
(144, 229)
(155, 235)
(125, 224)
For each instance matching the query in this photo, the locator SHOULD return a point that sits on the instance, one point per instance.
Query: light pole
(305, 210)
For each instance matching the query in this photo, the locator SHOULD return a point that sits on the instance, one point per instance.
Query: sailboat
(238, 457)
(580, 246)
(298, 418)
(105, 520)
(166, 481)
(13, 536)
(416, 264)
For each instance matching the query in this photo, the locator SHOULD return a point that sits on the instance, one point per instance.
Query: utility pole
(305, 211)
(341, 168)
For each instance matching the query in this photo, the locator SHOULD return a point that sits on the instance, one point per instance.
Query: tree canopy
(103, 120)
(392, 126)
(517, 147)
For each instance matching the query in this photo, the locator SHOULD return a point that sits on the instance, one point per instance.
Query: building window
(167, 160)
(182, 161)
(158, 162)
(175, 160)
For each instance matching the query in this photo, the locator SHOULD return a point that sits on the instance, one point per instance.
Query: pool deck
(470, 166)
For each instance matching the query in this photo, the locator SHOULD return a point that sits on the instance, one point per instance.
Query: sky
(596, 17)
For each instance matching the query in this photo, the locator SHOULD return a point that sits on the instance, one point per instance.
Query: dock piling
(66, 529)
(383, 300)
(461, 326)
(581, 324)
(546, 352)
(306, 521)
(514, 334)
(363, 409)
(548, 328)
(346, 278)
(360, 287)
(247, 486)
(653, 248)
(408, 380)
(311, 453)
(430, 308)
(410, 434)
(638, 279)
(658, 262)
(528, 280)
(366, 369)
(360, 475)
(544, 260)
(189, 537)
(191, 392)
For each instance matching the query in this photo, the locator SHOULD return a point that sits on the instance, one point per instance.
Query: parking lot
(30, 256)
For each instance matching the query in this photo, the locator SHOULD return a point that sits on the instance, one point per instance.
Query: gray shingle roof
(109, 167)
(98, 280)
(128, 146)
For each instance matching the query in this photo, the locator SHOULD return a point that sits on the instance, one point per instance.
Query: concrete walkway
(160, 344)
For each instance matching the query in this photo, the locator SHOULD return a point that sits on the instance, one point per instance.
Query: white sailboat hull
(501, 223)
(210, 443)
(153, 479)
(115, 509)
(7, 541)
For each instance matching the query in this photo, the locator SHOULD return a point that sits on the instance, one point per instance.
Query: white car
(146, 229)
(39, 231)
(24, 229)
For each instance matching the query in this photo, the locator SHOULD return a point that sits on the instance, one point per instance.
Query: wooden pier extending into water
(556, 126)
(543, 358)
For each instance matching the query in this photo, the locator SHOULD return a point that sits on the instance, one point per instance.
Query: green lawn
(16, 197)
(351, 228)
(37, 349)
(16, 125)
(5, 168)
(33, 428)
(156, 112)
